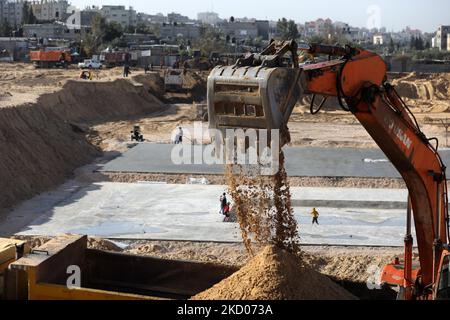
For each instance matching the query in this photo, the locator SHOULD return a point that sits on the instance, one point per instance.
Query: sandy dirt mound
(93, 243)
(194, 86)
(38, 150)
(152, 82)
(426, 93)
(42, 143)
(34, 242)
(100, 101)
(275, 274)
(230, 254)
(101, 244)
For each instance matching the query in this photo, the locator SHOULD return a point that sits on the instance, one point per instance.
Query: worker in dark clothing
(126, 71)
(223, 203)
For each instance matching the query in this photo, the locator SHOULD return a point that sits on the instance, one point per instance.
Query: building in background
(381, 39)
(50, 10)
(54, 30)
(441, 39)
(148, 19)
(120, 14)
(208, 17)
(80, 19)
(177, 18)
(187, 31)
(11, 12)
(239, 30)
(263, 27)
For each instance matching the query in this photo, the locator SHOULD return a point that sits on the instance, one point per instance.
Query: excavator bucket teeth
(252, 97)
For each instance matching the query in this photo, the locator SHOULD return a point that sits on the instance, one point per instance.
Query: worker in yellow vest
(315, 216)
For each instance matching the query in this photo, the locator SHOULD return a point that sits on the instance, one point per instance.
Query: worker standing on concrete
(223, 203)
(226, 212)
(315, 216)
(179, 136)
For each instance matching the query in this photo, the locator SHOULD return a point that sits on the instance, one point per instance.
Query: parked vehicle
(173, 79)
(90, 64)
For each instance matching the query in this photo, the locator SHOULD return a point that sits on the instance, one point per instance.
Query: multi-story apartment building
(50, 10)
(120, 14)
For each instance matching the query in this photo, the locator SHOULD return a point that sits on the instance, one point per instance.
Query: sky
(392, 14)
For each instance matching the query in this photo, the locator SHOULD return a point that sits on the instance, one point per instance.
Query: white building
(208, 17)
(50, 10)
(120, 14)
(381, 39)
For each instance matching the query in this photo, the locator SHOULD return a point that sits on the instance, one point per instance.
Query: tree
(146, 29)
(316, 39)
(5, 29)
(103, 34)
(113, 31)
(412, 43)
(210, 40)
(28, 15)
(391, 46)
(419, 44)
(287, 30)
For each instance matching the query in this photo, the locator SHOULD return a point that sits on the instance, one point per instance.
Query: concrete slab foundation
(300, 162)
(191, 212)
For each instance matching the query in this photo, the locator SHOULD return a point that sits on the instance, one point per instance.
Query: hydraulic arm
(261, 90)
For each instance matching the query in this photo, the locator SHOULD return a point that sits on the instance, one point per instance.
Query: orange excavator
(260, 92)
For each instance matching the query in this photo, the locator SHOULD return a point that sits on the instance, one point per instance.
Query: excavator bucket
(252, 97)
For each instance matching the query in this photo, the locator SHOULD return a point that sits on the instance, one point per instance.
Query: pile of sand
(102, 244)
(194, 86)
(429, 93)
(422, 92)
(33, 241)
(275, 274)
(41, 144)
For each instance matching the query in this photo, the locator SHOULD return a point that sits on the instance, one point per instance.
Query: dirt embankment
(194, 86)
(43, 142)
(425, 93)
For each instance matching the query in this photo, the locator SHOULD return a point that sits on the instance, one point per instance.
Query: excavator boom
(261, 90)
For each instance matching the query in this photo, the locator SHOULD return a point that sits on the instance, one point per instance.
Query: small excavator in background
(260, 92)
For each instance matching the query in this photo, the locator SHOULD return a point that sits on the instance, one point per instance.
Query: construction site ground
(57, 131)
